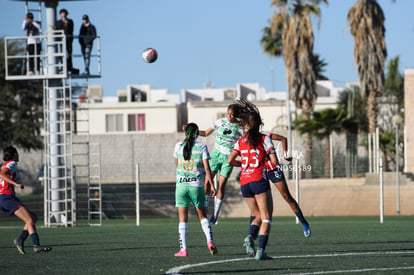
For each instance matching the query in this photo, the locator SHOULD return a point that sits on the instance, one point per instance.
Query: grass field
(337, 245)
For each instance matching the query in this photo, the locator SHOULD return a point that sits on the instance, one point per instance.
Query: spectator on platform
(66, 25)
(87, 35)
(34, 45)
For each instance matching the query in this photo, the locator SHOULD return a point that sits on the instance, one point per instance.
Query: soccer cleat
(19, 246)
(261, 255)
(306, 230)
(249, 244)
(181, 253)
(212, 248)
(39, 249)
(213, 220)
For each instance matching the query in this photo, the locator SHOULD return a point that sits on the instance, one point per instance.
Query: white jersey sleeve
(268, 145)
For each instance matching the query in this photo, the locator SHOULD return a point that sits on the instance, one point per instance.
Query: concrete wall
(330, 197)
(154, 153)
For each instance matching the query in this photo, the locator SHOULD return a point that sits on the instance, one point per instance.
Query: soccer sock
(251, 219)
(205, 225)
(206, 202)
(183, 235)
(217, 207)
(254, 231)
(23, 236)
(300, 216)
(263, 241)
(35, 239)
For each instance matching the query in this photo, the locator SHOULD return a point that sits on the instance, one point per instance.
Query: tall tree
(322, 124)
(394, 81)
(291, 28)
(21, 103)
(366, 22)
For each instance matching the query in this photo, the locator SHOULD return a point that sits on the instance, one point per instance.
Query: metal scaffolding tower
(66, 116)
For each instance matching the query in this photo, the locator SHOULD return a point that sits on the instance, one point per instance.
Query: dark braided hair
(191, 130)
(246, 106)
(255, 122)
(250, 114)
(8, 153)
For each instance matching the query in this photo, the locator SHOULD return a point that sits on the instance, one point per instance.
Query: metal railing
(52, 58)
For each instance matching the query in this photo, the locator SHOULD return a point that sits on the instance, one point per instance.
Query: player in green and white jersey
(228, 133)
(193, 175)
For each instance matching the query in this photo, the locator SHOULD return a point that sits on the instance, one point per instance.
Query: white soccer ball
(149, 55)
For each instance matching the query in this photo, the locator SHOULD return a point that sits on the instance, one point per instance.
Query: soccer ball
(149, 55)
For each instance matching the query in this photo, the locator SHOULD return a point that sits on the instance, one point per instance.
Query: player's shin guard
(217, 208)
(254, 231)
(264, 238)
(23, 236)
(183, 235)
(208, 232)
(35, 239)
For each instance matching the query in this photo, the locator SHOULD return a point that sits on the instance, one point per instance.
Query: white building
(136, 110)
(139, 109)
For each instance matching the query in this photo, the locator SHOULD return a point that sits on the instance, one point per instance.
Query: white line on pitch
(354, 270)
(176, 270)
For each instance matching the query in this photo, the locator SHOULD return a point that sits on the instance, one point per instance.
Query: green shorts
(186, 194)
(218, 161)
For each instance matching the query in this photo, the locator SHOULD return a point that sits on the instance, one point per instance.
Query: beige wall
(328, 197)
(161, 117)
(409, 119)
(205, 113)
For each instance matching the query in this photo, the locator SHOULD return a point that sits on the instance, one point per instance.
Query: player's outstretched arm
(201, 133)
(205, 133)
(284, 142)
(232, 159)
(208, 182)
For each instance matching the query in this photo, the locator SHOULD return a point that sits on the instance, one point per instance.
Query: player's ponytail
(254, 121)
(191, 133)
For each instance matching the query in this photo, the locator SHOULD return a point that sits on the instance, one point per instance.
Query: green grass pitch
(338, 245)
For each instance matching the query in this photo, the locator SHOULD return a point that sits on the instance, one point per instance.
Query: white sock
(217, 207)
(205, 225)
(183, 235)
(206, 202)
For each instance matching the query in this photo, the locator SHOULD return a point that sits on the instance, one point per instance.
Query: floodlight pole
(55, 137)
(289, 126)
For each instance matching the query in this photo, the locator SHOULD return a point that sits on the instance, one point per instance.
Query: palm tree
(322, 124)
(318, 65)
(291, 33)
(394, 82)
(366, 22)
(351, 100)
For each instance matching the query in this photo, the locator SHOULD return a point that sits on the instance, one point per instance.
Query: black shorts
(276, 175)
(255, 188)
(9, 204)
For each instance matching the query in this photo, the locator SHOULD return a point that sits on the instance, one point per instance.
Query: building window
(136, 122)
(114, 123)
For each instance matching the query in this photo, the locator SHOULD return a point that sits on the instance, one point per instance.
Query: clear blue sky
(216, 39)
